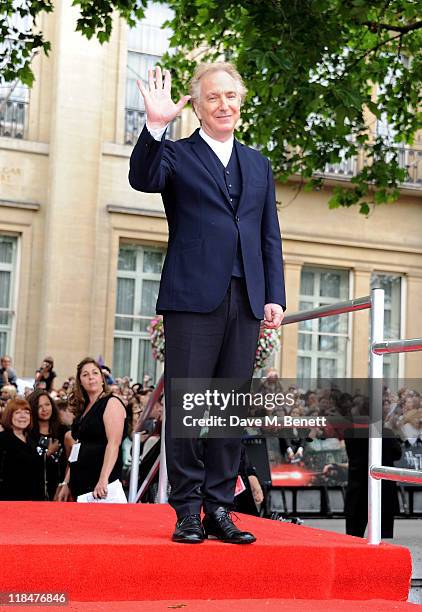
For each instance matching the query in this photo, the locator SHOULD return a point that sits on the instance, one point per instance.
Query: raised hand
(159, 106)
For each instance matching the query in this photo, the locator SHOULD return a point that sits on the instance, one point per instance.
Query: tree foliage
(320, 75)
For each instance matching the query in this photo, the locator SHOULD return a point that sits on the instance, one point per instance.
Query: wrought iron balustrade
(134, 122)
(13, 118)
(408, 158)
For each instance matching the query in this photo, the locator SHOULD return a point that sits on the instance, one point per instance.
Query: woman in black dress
(47, 435)
(21, 467)
(97, 433)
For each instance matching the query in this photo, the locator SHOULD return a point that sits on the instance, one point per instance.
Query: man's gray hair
(206, 68)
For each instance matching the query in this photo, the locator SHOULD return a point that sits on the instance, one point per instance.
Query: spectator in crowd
(134, 410)
(293, 441)
(411, 426)
(7, 392)
(7, 373)
(47, 435)
(107, 375)
(21, 467)
(45, 375)
(144, 396)
(97, 434)
(270, 384)
(147, 382)
(250, 499)
(66, 414)
(152, 427)
(311, 401)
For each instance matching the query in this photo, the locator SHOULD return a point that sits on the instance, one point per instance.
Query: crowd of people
(402, 408)
(42, 426)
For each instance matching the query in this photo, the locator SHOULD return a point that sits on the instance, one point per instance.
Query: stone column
(77, 102)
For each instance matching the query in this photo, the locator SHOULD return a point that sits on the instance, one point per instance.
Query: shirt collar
(216, 145)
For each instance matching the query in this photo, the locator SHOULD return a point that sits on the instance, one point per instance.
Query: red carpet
(233, 605)
(108, 553)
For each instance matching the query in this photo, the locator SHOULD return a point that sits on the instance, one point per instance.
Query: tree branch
(410, 27)
(378, 46)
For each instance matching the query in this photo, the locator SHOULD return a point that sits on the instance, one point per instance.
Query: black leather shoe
(189, 530)
(220, 525)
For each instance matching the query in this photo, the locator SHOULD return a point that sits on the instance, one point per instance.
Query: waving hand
(159, 106)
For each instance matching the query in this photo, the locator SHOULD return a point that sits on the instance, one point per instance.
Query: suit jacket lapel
(208, 159)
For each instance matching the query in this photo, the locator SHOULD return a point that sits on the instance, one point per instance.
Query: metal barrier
(379, 347)
(160, 465)
(376, 471)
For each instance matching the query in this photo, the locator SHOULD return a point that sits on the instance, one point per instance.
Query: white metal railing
(379, 347)
(159, 464)
(376, 471)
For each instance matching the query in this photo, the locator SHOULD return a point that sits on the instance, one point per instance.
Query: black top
(90, 432)
(21, 469)
(54, 465)
(48, 380)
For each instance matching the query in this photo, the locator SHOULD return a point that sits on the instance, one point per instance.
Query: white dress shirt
(223, 150)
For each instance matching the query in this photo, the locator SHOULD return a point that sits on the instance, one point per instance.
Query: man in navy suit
(222, 275)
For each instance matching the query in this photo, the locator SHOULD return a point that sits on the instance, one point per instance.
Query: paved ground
(407, 532)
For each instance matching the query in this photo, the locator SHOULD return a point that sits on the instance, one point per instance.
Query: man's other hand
(274, 315)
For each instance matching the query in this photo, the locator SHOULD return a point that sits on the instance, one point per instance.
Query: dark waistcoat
(233, 179)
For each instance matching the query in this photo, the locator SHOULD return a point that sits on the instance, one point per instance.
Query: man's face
(218, 107)
(5, 362)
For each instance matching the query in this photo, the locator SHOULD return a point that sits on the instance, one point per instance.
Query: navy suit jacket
(204, 228)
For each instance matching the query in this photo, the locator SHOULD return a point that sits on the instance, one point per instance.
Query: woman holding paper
(95, 460)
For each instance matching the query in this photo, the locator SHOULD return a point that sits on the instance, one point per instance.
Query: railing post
(134, 472)
(162, 475)
(375, 417)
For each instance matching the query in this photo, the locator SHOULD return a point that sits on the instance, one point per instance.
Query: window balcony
(408, 158)
(134, 122)
(13, 118)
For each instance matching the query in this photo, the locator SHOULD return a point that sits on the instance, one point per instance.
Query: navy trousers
(220, 344)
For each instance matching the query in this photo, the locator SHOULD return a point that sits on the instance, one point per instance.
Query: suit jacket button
(237, 219)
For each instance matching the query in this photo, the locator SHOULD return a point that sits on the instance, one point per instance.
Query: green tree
(319, 74)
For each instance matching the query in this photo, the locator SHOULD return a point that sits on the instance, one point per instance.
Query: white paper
(115, 495)
(74, 453)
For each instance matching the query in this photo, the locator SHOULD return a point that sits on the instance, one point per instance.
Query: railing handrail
(329, 310)
(384, 472)
(397, 346)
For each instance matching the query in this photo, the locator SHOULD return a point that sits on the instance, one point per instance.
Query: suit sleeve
(271, 248)
(152, 163)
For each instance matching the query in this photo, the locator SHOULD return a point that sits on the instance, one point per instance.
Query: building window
(323, 343)
(8, 248)
(13, 110)
(14, 95)
(147, 43)
(138, 279)
(392, 285)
